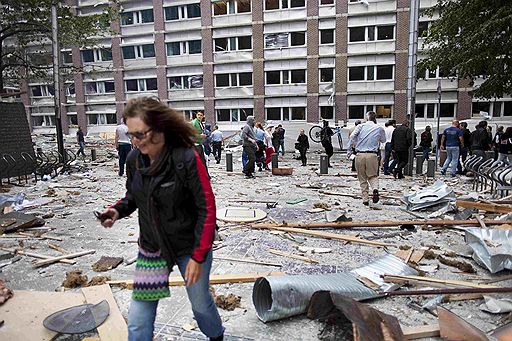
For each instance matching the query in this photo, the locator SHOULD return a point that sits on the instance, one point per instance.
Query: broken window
(196, 82)
(127, 18)
(384, 71)
(72, 120)
(356, 73)
(357, 34)
(297, 38)
(221, 44)
(370, 73)
(67, 57)
(385, 32)
(327, 36)
(371, 33)
(137, 17)
(327, 113)
(273, 77)
(276, 40)
(36, 91)
(106, 54)
(326, 74)
(423, 28)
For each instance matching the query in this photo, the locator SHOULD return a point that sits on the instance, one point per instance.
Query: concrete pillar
(324, 164)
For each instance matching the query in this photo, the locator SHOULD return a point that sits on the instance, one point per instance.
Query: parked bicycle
(315, 136)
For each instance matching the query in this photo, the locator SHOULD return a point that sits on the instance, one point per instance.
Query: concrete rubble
(445, 253)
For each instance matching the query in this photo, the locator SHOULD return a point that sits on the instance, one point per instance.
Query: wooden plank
(23, 314)
(214, 279)
(35, 255)
(480, 221)
(114, 328)
(246, 260)
(66, 256)
(291, 255)
(420, 332)
(384, 223)
(328, 235)
(498, 208)
(417, 256)
(433, 281)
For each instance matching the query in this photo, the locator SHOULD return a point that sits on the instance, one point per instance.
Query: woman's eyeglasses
(139, 135)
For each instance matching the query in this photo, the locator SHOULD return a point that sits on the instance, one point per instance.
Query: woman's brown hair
(161, 118)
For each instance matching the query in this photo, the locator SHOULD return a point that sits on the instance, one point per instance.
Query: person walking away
(81, 142)
(123, 145)
(452, 139)
(400, 143)
(269, 148)
(217, 140)
(325, 138)
(387, 157)
(259, 132)
(466, 137)
(281, 139)
(168, 184)
(366, 139)
(250, 146)
(426, 142)
(351, 130)
(495, 141)
(505, 147)
(275, 139)
(480, 141)
(303, 144)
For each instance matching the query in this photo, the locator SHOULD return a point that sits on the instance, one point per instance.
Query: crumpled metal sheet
(433, 195)
(8, 199)
(496, 306)
(388, 264)
(78, 319)
(491, 248)
(277, 297)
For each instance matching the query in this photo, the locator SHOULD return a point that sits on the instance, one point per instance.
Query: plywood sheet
(240, 214)
(25, 311)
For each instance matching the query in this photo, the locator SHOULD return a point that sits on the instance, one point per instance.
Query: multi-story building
(279, 60)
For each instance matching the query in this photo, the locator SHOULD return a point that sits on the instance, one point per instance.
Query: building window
(327, 113)
(42, 90)
(368, 73)
(326, 75)
(98, 119)
(233, 115)
(182, 12)
(233, 44)
(96, 55)
(233, 79)
(359, 111)
(67, 57)
(286, 77)
(99, 87)
(283, 4)
(383, 111)
(507, 108)
(72, 120)
(371, 33)
(43, 121)
(448, 110)
(286, 114)
(326, 2)
(285, 39)
(423, 28)
(384, 71)
(327, 36)
(137, 17)
(185, 82)
(135, 85)
(139, 51)
(183, 47)
(231, 7)
(356, 111)
(356, 73)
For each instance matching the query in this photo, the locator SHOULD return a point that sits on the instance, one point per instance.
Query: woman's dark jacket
(303, 142)
(176, 207)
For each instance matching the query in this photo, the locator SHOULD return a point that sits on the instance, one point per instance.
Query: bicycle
(315, 136)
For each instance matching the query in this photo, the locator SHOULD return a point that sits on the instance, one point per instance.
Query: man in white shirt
(123, 144)
(217, 139)
(390, 127)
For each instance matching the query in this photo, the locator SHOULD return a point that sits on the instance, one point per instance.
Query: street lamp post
(56, 80)
(439, 92)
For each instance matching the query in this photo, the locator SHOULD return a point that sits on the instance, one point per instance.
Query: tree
(25, 36)
(473, 39)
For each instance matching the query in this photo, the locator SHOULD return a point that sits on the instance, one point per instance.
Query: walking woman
(168, 183)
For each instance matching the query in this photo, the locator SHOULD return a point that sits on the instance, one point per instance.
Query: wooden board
(498, 208)
(240, 214)
(433, 281)
(25, 311)
(114, 328)
(420, 332)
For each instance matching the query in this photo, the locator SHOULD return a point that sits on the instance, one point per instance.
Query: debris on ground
(74, 279)
(461, 265)
(229, 302)
(5, 292)
(106, 263)
(98, 280)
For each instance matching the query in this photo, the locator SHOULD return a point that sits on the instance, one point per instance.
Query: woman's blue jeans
(141, 317)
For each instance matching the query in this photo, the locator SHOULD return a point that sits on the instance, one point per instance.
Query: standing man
(325, 138)
(466, 137)
(123, 144)
(366, 138)
(389, 129)
(426, 142)
(198, 124)
(81, 142)
(250, 146)
(400, 143)
(217, 139)
(452, 138)
(281, 139)
(480, 140)
(303, 144)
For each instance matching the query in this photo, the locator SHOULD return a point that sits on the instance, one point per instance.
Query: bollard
(324, 164)
(275, 161)
(229, 162)
(93, 154)
(419, 164)
(431, 168)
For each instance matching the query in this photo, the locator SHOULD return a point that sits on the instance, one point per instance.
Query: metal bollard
(229, 162)
(275, 161)
(419, 164)
(431, 168)
(93, 154)
(324, 164)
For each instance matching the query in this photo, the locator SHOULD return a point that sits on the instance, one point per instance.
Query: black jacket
(426, 139)
(401, 139)
(480, 139)
(303, 142)
(176, 208)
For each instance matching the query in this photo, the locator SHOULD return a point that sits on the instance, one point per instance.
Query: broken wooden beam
(214, 279)
(489, 207)
(35, 255)
(450, 291)
(383, 223)
(41, 236)
(403, 279)
(327, 235)
(246, 260)
(66, 256)
(291, 255)
(421, 332)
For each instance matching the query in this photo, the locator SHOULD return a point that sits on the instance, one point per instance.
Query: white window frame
(367, 30)
(230, 78)
(231, 112)
(48, 120)
(369, 107)
(141, 84)
(183, 12)
(366, 68)
(231, 41)
(45, 92)
(184, 48)
(289, 118)
(138, 50)
(231, 5)
(100, 87)
(286, 74)
(289, 40)
(289, 4)
(320, 75)
(136, 17)
(101, 118)
(187, 77)
(320, 37)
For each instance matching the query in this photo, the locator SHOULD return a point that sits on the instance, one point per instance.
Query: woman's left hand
(192, 272)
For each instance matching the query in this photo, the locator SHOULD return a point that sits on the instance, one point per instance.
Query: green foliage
(474, 39)
(25, 36)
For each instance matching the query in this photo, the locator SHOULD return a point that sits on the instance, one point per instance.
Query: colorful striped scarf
(151, 279)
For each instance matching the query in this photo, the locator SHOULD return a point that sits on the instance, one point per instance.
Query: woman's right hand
(111, 214)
